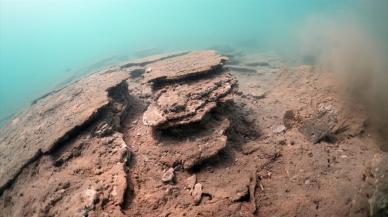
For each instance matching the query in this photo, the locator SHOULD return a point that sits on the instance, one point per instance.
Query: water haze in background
(44, 43)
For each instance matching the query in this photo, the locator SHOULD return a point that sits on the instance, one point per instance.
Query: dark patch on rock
(319, 129)
(289, 119)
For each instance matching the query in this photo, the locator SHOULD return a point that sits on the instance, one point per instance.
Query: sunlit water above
(44, 43)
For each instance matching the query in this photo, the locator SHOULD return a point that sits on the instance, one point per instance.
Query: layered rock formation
(53, 119)
(72, 136)
(185, 90)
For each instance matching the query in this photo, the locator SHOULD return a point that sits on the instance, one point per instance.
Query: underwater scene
(193, 108)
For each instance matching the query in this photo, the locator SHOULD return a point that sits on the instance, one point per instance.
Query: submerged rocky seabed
(194, 134)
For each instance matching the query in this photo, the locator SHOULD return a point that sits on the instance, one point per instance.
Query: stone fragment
(240, 194)
(104, 130)
(197, 193)
(279, 129)
(315, 131)
(258, 94)
(190, 182)
(206, 147)
(250, 147)
(168, 176)
(204, 152)
(191, 147)
(233, 186)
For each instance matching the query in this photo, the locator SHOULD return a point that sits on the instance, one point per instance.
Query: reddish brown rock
(52, 119)
(185, 103)
(202, 143)
(197, 193)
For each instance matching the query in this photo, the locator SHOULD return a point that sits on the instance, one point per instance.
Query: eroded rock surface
(182, 105)
(185, 103)
(191, 147)
(53, 119)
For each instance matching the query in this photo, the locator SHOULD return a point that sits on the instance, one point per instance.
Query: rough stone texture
(188, 65)
(185, 103)
(89, 182)
(52, 119)
(320, 127)
(202, 143)
(197, 193)
(168, 176)
(237, 184)
(257, 172)
(85, 174)
(190, 182)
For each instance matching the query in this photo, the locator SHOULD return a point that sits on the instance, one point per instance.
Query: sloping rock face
(53, 119)
(72, 172)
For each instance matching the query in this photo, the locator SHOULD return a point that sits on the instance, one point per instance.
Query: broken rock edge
(75, 131)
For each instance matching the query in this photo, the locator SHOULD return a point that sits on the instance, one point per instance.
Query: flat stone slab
(185, 103)
(184, 66)
(203, 143)
(51, 119)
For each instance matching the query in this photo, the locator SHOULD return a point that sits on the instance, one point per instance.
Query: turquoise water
(46, 42)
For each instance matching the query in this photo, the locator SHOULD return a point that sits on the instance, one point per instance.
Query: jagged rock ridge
(185, 91)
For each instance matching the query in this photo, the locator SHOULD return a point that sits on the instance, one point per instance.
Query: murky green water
(46, 42)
